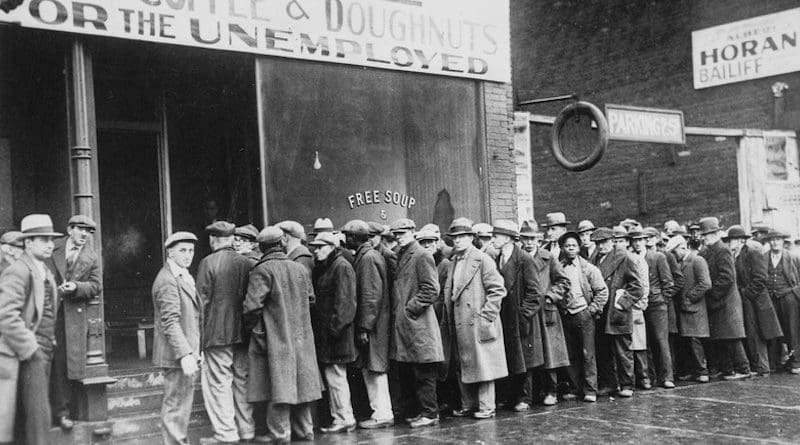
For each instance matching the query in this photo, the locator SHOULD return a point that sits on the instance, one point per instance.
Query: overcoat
(691, 299)
(520, 311)
(178, 317)
(751, 279)
(283, 360)
(472, 308)
(391, 263)
(415, 335)
(22, 297)
(678, 281)
(725, 318)
(335, 310)
(553, 284)
(624, 286)
(5, 261)
(221, 284)
(443, 270)
(373, 314)
(302, 255)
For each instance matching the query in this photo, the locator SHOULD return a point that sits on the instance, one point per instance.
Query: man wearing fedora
(76, 268)
(725, 317)
(178, 316)
(11, 248)
(760, 321)
(585, 230)
(28, 301)
(530, 236)
(221, 283)
(556, 224)
(783, 285)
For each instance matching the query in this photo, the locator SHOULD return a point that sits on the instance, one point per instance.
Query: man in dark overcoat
(615, 326)
(221, 284)
(283, 367)
(521, 305)
(761, 323)
(416, 340)
(76, 268)
(783, 284)
(725, 317)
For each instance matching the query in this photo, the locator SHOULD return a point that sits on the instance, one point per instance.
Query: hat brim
(461, 232)
(560, 223)
(34, 235)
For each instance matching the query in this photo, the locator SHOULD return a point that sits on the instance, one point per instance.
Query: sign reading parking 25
(465, 38)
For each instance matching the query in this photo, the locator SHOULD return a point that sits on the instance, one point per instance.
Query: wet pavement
(758, 410)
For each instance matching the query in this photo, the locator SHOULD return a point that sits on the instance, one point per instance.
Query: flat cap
(674, 242)
(356, 227)
(402, 225)
(431, 227)
(426, 234)
(220, 228)
(651, 231)
(481, 229)
(529, 228)
(82, 221)
(563, 238)
(585, 225)
(270, 235)
(505, 227)
(180, 237)
(248, 231)
(761, 229)
(463, 226)
(12, 238)
(602, 234)
(292, 228)
(772, 234)
(323, 225)
(325, 239)
(375, 228)
(628, 223)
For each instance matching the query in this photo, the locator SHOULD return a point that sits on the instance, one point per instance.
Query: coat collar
(471, 260)
(406, 253)
(609, 264)
(512, 266)
(362, 250)
(183, 285)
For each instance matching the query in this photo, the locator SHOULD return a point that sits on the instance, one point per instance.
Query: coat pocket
(487, 330)
(550, 314)
(620, 318)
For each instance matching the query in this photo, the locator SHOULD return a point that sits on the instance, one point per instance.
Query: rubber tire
(587, 109)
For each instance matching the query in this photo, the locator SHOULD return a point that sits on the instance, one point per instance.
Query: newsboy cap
(82, 221)
(482, 230)
(292, 228)
(180, 237)
(462, 226)
(325, 239)
(220, 228)
(709, 224)
(248, 231)
(426, 234)
(270, 235)
(356, 227)
(375, 228)
(505, 227)
(12, 238)
(402, 225)
(602, 234)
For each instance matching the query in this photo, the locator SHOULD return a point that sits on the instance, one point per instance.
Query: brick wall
(499, 117)
(637, 53)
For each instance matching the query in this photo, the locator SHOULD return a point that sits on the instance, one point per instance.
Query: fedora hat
(461, 226)
(37, 224)
(323, 225)
(736, 232)
(482, 229)
(709, 224)
(585, 225)
(529, 229)
(619, 232)
(505, 227)
(555, 219)
(637, 233)
(772, 234)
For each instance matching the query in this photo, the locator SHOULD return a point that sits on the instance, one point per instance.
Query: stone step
(142, 401)
(136, 380)
(146, 428)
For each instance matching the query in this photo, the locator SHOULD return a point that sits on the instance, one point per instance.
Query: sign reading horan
(468, 38)
(748, 49)
(641, 124)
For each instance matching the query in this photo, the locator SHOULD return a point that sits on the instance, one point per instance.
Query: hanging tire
(570, 111)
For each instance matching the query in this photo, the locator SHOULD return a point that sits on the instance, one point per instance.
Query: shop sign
(763, 46)
(642, 124)
(464, 38)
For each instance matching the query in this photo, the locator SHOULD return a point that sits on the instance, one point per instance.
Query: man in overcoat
(283, 367)
(372, 323)
(589, 296)
(691, 306)
(725, 317)
(518, 310)
(473, 296)
(334, 333)
(615, 326)
(761, 323)
(244, 241)
(76, 268)
(376, 232)
(221, 284)
(677, 280)
(28, 299)
(293, 236)
(177, 336)
(416, 339)
(783, 284)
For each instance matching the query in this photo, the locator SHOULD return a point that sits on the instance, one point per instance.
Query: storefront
(157, 116)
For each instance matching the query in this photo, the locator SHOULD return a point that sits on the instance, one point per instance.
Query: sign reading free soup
(464, 38)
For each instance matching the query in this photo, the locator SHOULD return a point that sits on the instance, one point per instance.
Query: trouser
(615, 361)
(640, 368)
(789, 315)
(657, 322)
(283, 419)
(731, 356)
(224, 384)
(418, 389)
(33, 405)
(543, 382)
(515, 388)
(477, 395)
(60, 386)
(755, 345)
(176, 407)
(339, 394)
(377, 384)
(696, 356)
(579, 333)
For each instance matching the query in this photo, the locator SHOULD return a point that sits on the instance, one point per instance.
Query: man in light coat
(472, 300)
(28, 300)
(177, 335)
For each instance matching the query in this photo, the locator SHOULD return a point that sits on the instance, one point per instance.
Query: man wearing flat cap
(725, 317)
(178, 315)
(293, 236)
(283, 369)
(556, 224)
(11, 248)
(28, 300)
(585, 230)
(76, 268)
(377, 232)
(783, 285)
(244, 242)
(221, 284)
(416, 340)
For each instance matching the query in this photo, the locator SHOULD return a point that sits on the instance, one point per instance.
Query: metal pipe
(547, 99)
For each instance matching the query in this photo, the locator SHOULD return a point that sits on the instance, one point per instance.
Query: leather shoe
(338, 428)
(591, 398)
(65, 423)
(463, 412)
(373, 424)
(625, 393)
(795, 371)
(668, 384)
(702, 379)
(413, 419)
(483, 414)
(550, 400)
(521, 406)
(736, 376)
(425, 421)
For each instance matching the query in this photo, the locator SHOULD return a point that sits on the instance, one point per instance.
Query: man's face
(404, 238)
(242, 245)
(499, 240)
(586, 237)
(710, 238)
(776, 244)
(605, 246)
(571, 248)
(429, 244)
(680, 252)
(639, 244)
(529, 243)
(621, 243)
(483, 240)
(40, 247)
(78, 235)
(182, 253)
(735, 244)
(462, 242)
(555, 232)
(321, 253)
(652, 241)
